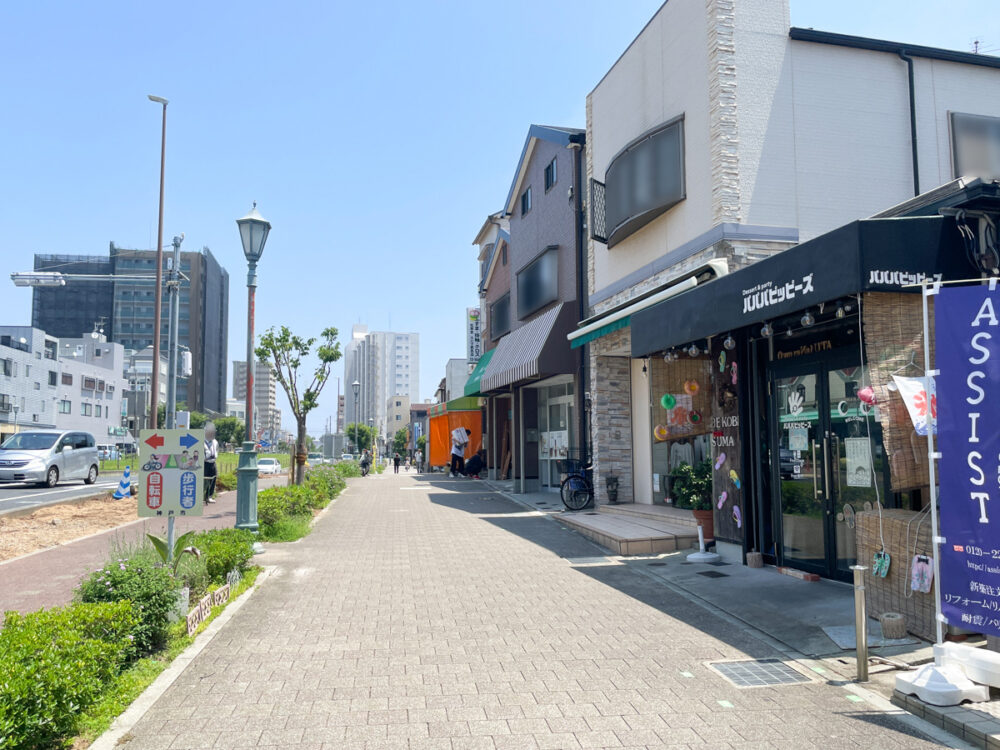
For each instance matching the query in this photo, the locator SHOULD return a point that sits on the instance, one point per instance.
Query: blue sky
(375, 137)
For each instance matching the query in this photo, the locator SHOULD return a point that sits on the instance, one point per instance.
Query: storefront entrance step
(666, 513)
(631, 536)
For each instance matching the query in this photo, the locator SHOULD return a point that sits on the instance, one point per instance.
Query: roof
(971, 193)
(882, 45)
(491, 221)
(502, 238)
(558, 135)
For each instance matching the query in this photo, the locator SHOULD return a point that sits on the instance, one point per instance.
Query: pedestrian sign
(171, 472)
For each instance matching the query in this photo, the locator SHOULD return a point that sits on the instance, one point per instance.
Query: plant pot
(706, 520)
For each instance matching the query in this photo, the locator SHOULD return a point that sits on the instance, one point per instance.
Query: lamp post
(357, 417)
(16, 408)
(158, 292)
(254, 229)
(371, 431)
(174, 289)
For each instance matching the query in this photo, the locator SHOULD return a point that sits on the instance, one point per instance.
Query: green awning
(604, 330)
(466, 403)
(472, 384)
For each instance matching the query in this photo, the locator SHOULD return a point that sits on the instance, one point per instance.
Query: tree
(421, 443)
(361, 436)
(399, 441)
(230, 430)
(284, 352)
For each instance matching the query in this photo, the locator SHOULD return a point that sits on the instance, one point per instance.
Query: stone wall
(611, 414)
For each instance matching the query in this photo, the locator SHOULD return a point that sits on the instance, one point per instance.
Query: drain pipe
(913, 119)
(576, 142)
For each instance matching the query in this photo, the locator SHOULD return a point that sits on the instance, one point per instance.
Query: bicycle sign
(171, 472)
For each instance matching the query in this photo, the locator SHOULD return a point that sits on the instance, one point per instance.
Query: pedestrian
(459, 439)
(366, 462)
(211, 454)
(395, 464)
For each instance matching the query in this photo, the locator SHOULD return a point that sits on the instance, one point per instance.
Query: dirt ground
(59, 524)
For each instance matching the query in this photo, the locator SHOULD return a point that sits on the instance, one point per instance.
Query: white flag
(917, 403)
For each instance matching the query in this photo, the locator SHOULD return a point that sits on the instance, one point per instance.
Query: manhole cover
(591, 514)
(759, 673)
(712, 574)
(657, 565)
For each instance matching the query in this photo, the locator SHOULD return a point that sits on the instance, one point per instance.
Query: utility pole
(174, 290)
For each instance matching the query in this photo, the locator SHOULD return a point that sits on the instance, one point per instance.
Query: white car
(268, 466)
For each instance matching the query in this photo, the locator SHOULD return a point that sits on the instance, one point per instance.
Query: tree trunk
(301, 452)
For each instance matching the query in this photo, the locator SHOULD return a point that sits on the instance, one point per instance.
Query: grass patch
(133, 681)
(287, 529)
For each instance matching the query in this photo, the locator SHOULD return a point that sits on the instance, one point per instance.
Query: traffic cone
(123, 486)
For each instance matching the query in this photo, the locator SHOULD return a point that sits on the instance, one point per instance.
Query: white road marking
(38, 494)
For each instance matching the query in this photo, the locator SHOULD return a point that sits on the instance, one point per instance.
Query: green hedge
(223, 550)
(282, 512)
(147, 584)
(55, 663)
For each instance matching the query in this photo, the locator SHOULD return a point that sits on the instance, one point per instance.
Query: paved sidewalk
(48, 577)
(433, 613)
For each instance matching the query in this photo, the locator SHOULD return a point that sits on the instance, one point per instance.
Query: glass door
(801, 480)
(830, 463)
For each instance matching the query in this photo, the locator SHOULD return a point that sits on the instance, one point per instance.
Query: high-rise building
(340, 412)
(384, 363)
(267, 415)
(124, 310)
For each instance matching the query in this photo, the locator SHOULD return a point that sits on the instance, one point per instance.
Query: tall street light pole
(254, 229)
(174, 289)
(158, 292)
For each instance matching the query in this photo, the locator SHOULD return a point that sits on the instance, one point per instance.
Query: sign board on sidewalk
(171, 472)
(967, 321)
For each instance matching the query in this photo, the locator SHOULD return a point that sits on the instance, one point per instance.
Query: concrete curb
(134, 713)
(979, 730)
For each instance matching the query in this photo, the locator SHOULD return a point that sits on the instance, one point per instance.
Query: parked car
(315, 459)
(346, 457)
(268, 466)
(108, 453)
(791, 467)
(47, 457)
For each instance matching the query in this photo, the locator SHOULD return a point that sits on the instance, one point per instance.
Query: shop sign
(900, 278)
(968, 358)
(814, 348)
(474, 338)
(770, 293)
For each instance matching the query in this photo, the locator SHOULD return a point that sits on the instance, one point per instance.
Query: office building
(384, 363)
(267, 416)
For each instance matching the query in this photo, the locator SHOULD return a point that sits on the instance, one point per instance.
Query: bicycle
(577, 489)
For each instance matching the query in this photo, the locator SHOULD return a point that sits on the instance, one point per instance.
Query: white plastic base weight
(702, 556)
(941, 686)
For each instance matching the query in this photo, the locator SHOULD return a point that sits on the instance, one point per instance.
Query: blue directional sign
(189, 440)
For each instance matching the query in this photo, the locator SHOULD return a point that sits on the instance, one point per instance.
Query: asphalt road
(20, 497)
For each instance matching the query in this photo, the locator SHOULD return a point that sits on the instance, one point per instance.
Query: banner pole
(931, 468)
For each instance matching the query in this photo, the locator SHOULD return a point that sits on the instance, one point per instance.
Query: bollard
(860, 621)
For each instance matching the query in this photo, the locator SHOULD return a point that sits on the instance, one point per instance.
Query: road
(21, 497)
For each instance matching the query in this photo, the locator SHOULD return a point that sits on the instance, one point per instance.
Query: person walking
(211, 454)
(395, 464)
(459, 439)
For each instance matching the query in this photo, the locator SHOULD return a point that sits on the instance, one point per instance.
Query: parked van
(108, 452)
(47, 457)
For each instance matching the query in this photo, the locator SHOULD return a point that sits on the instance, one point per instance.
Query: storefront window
(681, 404)
(556, 433)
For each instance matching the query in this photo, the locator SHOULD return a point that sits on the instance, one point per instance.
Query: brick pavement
(435, 614)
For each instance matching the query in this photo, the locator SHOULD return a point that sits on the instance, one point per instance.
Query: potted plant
(691, 487)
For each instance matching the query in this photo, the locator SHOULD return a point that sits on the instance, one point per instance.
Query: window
(500, 317)
(503, 254)
(86, 410)
(53, 378)
(38, 386)
(550, 175)
(4, 402)
(65, 407)
(538, 282)
(526, 201)
(100, 385)
(111, 388)
(89, 384)
(67, 378)
(97, 351)
(9, 367)
(27, 370)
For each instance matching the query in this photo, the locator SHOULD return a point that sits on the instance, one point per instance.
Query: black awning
(880, 255)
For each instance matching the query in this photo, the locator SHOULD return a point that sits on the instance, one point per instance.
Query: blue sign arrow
(188, 440)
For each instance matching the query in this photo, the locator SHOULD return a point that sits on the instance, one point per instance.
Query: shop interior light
(807, 319)
(767, 331)
(729, 342)
(693, 350)
(841, 313)
(788, 332)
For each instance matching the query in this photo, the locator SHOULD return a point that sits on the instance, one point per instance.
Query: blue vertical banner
(967, 341)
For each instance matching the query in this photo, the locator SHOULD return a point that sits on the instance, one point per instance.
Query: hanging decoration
(691, 387)
(667, 401)
(911, 390)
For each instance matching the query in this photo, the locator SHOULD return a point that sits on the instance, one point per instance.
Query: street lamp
(357, 418)
(158, 293)
(254, 229)
(371, 430)
(16, 408)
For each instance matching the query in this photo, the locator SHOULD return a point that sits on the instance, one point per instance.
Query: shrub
(225, 482)
(193, 572)
(278, 502)
(346, 469)
(223, 550)
(147, 584)
(692, 486)
(54, 663)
